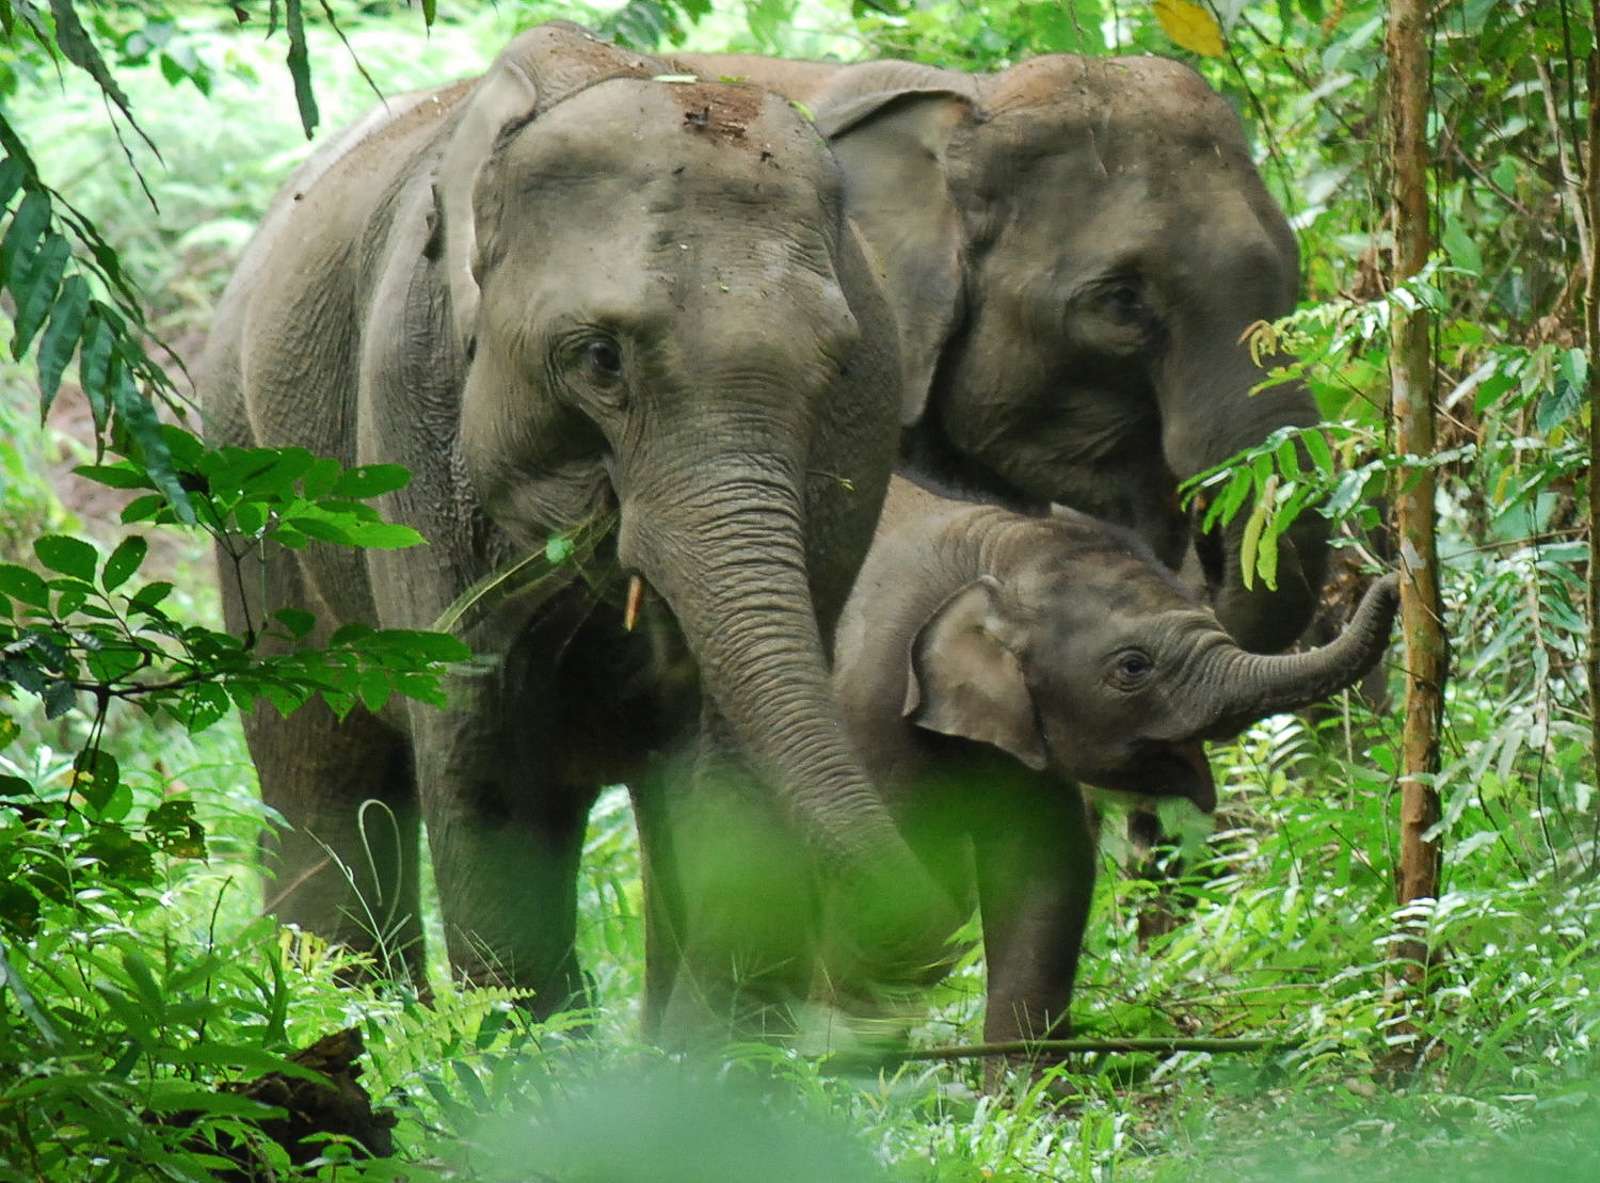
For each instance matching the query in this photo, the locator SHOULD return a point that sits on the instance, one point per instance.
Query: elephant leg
(663, 902)
(1154, 861)
(745, 947)
(1035, 886)
(346, 867)
(506, 838)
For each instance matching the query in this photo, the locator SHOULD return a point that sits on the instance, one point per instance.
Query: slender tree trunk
(1411, 380)
(1591, 343)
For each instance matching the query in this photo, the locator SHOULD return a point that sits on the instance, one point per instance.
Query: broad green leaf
(1463, 251)
(22, 584)
(121, 475)
(60, 338)
(298, 621)
(35, 292)
(370, 480)
(70, 556)
(95, 777)
(1558, 405)
(1253, 526)
(124, 561)
(1191, 26)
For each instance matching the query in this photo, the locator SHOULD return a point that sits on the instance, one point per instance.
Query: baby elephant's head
(1091, 659)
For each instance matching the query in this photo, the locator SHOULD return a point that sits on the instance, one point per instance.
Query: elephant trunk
(729, 558)
(1252, 686)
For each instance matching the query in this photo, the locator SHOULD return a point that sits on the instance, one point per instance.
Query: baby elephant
(988, 662)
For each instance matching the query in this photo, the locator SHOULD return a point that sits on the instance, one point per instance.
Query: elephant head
(1089, 658)
(657, 297)
(1074, 249)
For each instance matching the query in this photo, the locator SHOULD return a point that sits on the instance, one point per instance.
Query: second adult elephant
(1074, 248)
(559, 292)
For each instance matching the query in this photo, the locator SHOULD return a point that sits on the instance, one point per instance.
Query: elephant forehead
(641, 128)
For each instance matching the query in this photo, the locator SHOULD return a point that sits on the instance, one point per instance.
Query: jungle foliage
(137, 973)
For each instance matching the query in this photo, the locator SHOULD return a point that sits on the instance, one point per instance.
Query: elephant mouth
(1168, 770)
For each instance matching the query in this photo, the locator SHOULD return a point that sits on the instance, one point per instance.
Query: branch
(1032, 1047)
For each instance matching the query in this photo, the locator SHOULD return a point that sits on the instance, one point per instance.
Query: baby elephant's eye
(603, 359)
(1132, 667)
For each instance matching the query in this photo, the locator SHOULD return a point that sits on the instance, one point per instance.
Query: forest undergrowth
(139, 967)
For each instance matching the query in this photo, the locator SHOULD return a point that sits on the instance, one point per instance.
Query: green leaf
(149, 443)
(115, 476)
(151, 594)
(59, 698)
(142, 509)
(35, 292)
(374, 690)
(557, 549)
(1317, 447)
(124, 561)
(94, 360)
(95, 777)
(1558, 405)
(430, 10)
(300, 66)
(70, 556)
(296, 620)
(1458, 244)
(22, 236)
(370, 480)
(22, 584)
(61, 338)
(81, 52)
(12, 172)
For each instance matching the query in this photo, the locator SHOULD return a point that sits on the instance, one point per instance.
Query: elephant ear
(890, 127)
(536, 70)
(963, 679)
(506, 94)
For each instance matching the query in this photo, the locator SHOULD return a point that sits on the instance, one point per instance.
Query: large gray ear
(963, 680)
(506, 94)
(890, 135)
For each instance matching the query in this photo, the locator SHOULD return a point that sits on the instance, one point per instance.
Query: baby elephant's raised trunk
(1258, 685)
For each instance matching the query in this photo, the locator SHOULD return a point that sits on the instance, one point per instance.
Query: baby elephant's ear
(963, 681)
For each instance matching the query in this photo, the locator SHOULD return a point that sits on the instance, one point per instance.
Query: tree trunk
(1411, 380)
(1591, 343)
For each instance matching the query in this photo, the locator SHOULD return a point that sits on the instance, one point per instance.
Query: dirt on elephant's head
(721, 109)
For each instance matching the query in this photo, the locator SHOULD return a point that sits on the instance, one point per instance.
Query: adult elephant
(1074, 248)
(557, 292)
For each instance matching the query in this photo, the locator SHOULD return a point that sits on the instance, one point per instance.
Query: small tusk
(630, 609)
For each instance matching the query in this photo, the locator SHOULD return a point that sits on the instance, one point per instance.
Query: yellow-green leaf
(1191, 26)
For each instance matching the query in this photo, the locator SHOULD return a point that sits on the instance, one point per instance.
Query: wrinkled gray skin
(989, 662)
(555, 291)
(1074, 248)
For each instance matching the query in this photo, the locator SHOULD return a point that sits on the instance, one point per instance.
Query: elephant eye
(602, 358)
(1131, 668)
(1123, 303)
